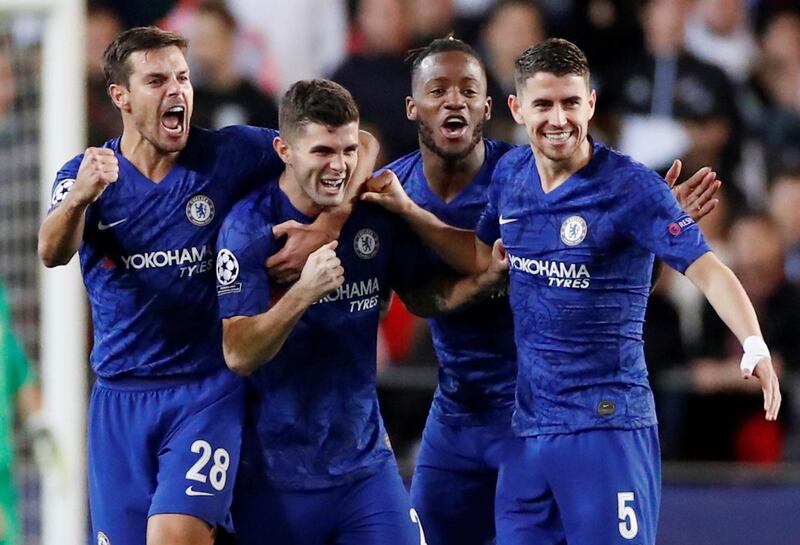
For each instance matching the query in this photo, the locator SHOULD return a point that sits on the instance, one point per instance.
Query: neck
(553, 173)
(448, 177)
(149, 160)
(302, 202)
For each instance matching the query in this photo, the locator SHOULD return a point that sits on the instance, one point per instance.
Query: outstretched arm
(250, 341)
(445, 294)
(460, 248)
(726, 294)
(301, 239)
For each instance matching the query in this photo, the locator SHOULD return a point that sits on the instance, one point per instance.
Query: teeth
(557, 136)
(332, 183)
(176, 110)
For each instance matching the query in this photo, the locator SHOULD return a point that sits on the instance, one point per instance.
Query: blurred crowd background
(712, 82)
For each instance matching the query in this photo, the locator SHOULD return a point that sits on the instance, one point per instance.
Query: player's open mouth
(332, 185)
(558, 137)
(454, 126)
(173, 120)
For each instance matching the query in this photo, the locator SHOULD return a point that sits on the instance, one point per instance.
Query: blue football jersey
(475, 347)
(316, 412)
(580, 258)
(147, 255)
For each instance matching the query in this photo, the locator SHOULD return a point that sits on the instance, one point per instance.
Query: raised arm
(460, 248)
(727, 296)
(302, 239)
(250, 341)
(61, 231)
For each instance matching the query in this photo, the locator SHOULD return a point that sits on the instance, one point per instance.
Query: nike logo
(103, 226)
(504, 221)
(192, 492)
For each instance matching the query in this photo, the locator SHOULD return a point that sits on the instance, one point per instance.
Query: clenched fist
(322, 273)
(99, 168)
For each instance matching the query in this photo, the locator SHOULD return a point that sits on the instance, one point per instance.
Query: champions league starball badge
(61, 190)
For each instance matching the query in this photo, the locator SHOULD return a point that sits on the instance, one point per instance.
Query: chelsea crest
(366, 243)
(573, 230)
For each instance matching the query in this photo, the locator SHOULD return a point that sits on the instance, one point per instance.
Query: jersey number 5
(628, 525)
(218, 474)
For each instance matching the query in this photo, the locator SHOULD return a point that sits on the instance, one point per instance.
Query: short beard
(426, 137)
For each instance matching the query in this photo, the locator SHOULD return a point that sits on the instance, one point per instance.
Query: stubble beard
(427, 139)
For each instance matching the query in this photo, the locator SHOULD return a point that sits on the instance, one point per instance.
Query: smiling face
(319, 160)
(449, 104)
(555, 111)
(158, 98)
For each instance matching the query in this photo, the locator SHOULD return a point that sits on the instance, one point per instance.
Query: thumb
(673, 173)
(282, 229)
(330, 246)
(380, 182)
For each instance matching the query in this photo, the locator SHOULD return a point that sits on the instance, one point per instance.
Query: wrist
(754, 350)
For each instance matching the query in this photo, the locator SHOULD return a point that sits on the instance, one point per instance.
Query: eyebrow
(330, 149)
(164, 74)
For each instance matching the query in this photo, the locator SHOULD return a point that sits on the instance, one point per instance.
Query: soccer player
(581, 224)
(317, 466)
(455, 478)
(166, 414)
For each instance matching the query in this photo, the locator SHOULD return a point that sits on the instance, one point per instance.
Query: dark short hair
(315, 101)
(115, 59)
(440, 45)
(554, 56)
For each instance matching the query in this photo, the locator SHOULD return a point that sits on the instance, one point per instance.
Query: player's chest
(364, 251)
(179, 212)
(561, 241)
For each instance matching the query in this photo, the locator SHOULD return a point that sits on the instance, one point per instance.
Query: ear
(119, 96)
(487, 109)
(281, 147)
(592, 102)
(515, 106)
(411, 109)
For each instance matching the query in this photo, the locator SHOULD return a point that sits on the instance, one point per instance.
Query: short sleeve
(654, 220)
(250, 152)
(65, 179)
(241, 273)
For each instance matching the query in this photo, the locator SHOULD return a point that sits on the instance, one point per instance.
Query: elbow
(48, 256)
(238, 364)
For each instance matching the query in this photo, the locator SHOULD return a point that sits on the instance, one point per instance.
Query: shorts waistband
(130, 382)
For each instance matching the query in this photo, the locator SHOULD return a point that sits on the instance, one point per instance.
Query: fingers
(284, 229)
(772, 397)
(698, 177)
(673, 173)
(771, 389)
(382, 182)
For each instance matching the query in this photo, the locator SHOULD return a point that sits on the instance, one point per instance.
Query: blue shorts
(455, 479)
(159, 446)
(597, 487)
(375, 511)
